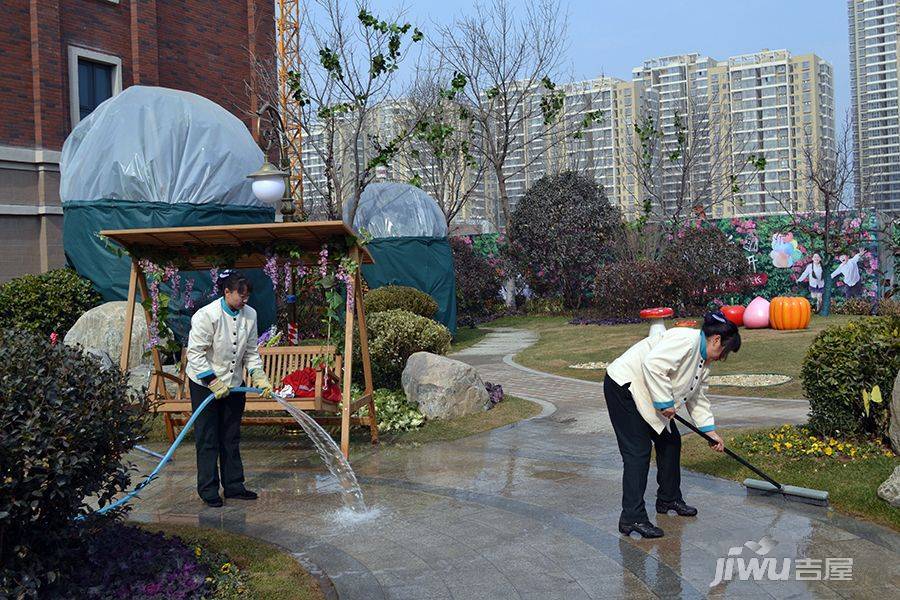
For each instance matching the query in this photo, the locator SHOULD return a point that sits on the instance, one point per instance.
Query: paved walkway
(528, 511)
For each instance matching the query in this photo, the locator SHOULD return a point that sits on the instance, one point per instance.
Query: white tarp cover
(397, 210)
(154, 144)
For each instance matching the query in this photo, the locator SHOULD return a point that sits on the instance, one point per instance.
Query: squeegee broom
(769, 487)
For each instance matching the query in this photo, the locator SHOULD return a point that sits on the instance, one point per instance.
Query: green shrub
(45, 303)
(66, 427)
(394, 336)
(395, 412)
(544, 306)
(400, 297)
(844, 361)
(888, 307)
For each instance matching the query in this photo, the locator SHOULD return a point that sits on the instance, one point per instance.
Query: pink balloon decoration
(757, 314)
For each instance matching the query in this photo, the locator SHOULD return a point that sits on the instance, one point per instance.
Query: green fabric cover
(424, 263)
(88, 255)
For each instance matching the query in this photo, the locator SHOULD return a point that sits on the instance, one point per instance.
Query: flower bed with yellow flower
(798, 441)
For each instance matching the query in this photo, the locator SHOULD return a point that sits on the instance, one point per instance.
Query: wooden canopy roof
(196, 244)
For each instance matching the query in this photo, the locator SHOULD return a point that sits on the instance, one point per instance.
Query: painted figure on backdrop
(785, 251)
(849, 268)
(813, 272)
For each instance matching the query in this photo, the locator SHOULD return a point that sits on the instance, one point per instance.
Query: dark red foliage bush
(622, 289)
(477, 282)
(561, 231)
(713, 266)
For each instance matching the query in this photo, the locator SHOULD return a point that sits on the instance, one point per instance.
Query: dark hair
(233, 281)
(715, 323)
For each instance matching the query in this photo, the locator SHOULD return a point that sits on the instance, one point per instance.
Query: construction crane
(288, 26)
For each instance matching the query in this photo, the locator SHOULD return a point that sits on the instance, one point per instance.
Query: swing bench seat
(278, 362)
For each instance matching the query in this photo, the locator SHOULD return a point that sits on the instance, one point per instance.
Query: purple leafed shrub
(587, 320)
(120, 561)
(495, 391)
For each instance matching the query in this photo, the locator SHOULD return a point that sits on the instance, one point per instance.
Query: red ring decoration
(657, 313)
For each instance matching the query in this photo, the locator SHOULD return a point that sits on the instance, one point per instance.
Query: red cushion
(304, 383)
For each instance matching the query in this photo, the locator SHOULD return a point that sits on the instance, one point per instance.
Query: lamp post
(270, 184)
(264, 178)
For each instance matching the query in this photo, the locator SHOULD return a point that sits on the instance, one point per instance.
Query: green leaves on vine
(553, 102)
(382, 63)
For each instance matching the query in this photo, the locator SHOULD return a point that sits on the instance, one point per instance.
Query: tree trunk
(510, 284)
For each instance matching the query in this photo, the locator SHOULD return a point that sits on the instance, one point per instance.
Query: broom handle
(728, 452)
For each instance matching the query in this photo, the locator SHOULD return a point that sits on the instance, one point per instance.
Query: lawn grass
(852, 485)
(762, 350)
(466, 337)
(272, 574)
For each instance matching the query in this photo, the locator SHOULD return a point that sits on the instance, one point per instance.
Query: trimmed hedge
(66, 427)
(395, 335)
(844, 361)
(400, 297)
(46, 303)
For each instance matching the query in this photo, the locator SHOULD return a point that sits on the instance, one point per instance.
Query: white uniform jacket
(667, 371)
(222, 342)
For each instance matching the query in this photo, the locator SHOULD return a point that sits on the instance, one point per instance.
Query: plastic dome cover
(152, 144)
(397, 210)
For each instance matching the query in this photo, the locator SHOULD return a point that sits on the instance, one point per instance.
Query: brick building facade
(59, 57)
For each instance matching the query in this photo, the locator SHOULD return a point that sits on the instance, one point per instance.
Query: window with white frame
(93, 78)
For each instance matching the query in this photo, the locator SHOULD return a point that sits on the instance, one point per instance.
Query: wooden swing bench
(278, 362)
(195, 245)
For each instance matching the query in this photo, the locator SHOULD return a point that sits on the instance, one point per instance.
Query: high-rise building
(876, 120)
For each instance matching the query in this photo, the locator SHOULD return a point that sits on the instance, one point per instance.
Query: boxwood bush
(45, 303)
(841, 363)
(400, 297)
(394, 336)
(66, 425)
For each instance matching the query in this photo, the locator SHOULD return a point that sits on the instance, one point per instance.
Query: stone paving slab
(526, 511)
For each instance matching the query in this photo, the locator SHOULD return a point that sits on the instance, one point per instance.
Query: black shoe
(646, 529)
(678, 506)
(214, 502)
(243, 495)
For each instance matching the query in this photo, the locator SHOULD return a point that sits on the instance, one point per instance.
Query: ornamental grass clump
(66, 425)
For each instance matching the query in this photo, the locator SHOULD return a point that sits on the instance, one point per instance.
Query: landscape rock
(442, 387)
(101, 329)
(895, 415)
(889, 491)
(139, 377)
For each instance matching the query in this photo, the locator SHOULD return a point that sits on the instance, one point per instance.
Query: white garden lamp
(268, 183)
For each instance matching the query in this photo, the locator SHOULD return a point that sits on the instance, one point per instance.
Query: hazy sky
(611, 37)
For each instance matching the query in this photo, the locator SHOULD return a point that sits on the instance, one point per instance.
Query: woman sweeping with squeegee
(644, 388)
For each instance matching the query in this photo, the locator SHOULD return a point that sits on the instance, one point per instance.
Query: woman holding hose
(222, 343)
(643, 389)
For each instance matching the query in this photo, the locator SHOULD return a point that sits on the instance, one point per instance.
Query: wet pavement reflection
(529, 511)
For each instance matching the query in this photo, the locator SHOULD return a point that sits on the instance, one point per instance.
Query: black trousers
(217, 435)
(636, 438)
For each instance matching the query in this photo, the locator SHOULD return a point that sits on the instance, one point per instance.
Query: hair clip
(226, 273)
(718, 316)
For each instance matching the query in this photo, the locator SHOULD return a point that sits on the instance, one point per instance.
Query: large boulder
(889, 491)
(102, 328)
(442, 387)
(895, 415)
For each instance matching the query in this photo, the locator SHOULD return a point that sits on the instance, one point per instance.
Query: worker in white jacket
(222, 343)
(643, 389)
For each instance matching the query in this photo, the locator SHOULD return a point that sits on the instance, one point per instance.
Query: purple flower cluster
(495, 393)
(323, 261)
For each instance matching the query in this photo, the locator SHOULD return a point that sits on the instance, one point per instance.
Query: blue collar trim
(229, 311)
(703, 345)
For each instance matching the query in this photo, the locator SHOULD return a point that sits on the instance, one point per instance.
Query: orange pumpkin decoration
(789, 313)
